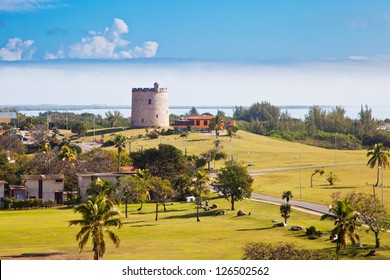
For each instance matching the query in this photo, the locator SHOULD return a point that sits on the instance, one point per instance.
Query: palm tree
(317, 171)
(200, 186)
(379, 155)
(120, 144)
(98, 216)
(285, 210)
(287, 195)
(346, 220)
(231, 131)
(216, 124)
(67, 153)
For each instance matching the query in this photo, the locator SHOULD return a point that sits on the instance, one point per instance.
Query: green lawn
(176, 235)
(352, 178)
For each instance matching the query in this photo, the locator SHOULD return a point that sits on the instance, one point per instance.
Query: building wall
(149, 107)
(1, 195)
(49, 188)
(85, 183)
(5, 120)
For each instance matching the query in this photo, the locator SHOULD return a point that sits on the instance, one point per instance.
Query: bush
(17, 204)
(282, 251)
(108, 143)
(313, 233)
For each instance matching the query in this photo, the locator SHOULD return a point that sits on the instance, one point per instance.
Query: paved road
(302, 204)
(87, 146)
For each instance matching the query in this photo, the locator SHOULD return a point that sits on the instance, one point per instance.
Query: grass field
(267, 153)
(44, 234)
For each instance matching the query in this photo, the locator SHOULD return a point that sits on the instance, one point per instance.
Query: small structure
(2, 192)
(15, 191)
(8, 117)
(45, 187)
(85, 180)
(200, 123)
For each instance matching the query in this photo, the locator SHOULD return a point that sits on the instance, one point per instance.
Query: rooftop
(43, 177)
(10, 115)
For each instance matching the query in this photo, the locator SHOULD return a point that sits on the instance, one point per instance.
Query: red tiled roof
(200, 118)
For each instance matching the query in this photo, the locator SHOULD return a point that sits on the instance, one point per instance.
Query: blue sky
(339, 46)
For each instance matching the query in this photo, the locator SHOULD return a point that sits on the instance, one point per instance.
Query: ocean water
(379, 112)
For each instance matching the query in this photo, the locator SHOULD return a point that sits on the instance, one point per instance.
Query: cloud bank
(17, 49)
(106, 45)
(348, 83)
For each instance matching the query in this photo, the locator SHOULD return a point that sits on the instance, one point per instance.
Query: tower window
(156, 116)
(150, 101)
(142, 120)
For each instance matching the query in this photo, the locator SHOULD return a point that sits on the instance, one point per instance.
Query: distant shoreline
(54, 107)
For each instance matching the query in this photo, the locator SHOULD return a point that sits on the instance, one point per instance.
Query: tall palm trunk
(126, 206)
(377, 177)
(95, 249)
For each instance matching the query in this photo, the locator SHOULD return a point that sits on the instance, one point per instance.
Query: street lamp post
(383, 193)
(300, 176)
(335, 148)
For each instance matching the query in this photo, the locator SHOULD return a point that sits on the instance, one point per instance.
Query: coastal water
(378, 112)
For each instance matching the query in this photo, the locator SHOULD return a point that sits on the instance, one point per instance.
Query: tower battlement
(156, 88)
(149, 90)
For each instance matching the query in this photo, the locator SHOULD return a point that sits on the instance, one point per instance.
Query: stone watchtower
(149, 107)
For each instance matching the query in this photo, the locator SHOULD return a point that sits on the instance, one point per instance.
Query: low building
(45, 187)
(2, 192)
(8, 117)
(85, 180)
(200, 123)
(15, 191)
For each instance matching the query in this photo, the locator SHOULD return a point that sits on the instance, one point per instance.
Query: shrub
(313, 233)
(108, 143)
(282, 251)
(332, 178)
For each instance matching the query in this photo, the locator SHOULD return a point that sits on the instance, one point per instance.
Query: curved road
(302, 204)
(318, 208)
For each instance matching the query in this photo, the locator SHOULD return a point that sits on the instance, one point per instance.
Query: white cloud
(26, 5)
(359, 57)
(106, 45)
(17, 49)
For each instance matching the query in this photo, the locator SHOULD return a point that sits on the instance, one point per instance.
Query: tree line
(328, 129)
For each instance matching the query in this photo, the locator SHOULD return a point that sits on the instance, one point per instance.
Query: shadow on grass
(254, 229)
(337, 188)
(196, 140)
(193, 215)
(147, 225)
(35, 255)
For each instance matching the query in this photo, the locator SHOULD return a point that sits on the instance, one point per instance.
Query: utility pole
(300, 177)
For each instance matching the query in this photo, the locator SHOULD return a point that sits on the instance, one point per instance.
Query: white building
(85, 181)
(45, 187)
(2, 192)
